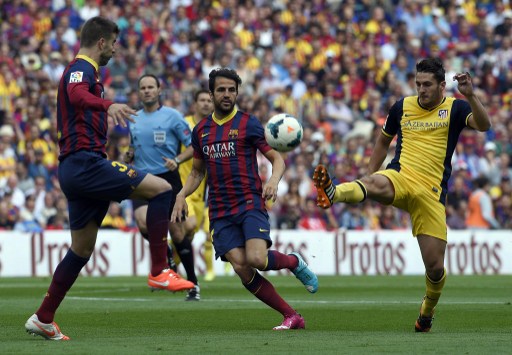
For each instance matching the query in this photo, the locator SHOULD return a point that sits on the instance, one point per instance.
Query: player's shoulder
(78, 71)
(459, 108)
(171, 111)
(398, 105)
(248, 117)
(79, 64)
(455, 102)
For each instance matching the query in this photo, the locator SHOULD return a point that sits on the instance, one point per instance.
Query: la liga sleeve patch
(76, 77)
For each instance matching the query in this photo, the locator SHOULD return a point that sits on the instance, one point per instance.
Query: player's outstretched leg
(50, 331)
(305, 275)
(324, 187)
(294, 321)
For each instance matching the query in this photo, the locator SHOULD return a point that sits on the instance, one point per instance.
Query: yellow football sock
(432, 294)
(350, 192)
(208, 254)
(175, 255)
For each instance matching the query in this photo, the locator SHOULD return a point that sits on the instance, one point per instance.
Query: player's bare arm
(193, 181)
(380, 150)
(278, 167)
(172, 163)
(479, 120)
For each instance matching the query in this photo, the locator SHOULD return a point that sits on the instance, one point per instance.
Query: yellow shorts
(196, 208)
(428, 215)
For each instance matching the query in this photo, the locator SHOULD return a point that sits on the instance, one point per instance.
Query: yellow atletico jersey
(426, 139)
(186, 167)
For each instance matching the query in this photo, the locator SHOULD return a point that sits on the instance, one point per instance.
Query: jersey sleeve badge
(76, 77)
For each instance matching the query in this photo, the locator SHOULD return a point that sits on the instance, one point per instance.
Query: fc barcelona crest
(443, 114)
(233, 133)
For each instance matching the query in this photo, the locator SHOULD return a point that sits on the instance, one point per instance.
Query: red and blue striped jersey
(81, 110)
(228, 148)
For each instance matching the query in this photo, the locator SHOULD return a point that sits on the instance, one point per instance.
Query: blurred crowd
(336, 65)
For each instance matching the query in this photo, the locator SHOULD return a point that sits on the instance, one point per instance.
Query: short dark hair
(149, 76)
(481, 182)
(95, 29)
(199, 92)
(225, 73)
(434, 66)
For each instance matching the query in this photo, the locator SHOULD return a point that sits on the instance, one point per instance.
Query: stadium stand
(337, 65)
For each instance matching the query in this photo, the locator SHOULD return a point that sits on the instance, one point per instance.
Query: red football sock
(157, 220)
(63, 278)
(278, 261)
(265, 292)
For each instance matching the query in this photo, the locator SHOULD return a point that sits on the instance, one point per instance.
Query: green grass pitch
(348, 315)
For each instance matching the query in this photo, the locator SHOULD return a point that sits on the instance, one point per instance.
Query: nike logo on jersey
(264, 230)
(204, 135)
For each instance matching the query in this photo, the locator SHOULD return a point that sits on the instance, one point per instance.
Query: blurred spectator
(291, 206)
(353, 218)
(489, 165)
(27, 218)
(11, 187)
(480, 210)
(8, 215)
(37, 168)
(456, 216)
(312, 218)
(54, 68)
(25, 182)
(7, 159)
(114, 218)
(61, 218)
(458, 192)
(48, 212)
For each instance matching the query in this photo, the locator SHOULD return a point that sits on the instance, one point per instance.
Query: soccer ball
(283, 132)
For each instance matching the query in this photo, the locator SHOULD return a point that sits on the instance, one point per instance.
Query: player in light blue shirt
(156, 138)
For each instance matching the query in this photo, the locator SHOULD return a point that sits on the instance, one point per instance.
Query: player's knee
(141, 223)
(140, 218)
(378, 187)
(257, 261)
(164, 186)
(434, 272)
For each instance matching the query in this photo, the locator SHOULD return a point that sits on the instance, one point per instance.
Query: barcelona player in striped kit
(88, 179)
(225, 145)
(428, 126)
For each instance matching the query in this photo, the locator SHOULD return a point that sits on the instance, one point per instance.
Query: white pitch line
(115, 299)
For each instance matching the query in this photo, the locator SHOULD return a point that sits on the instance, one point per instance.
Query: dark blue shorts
(90, 182)
(233, 231)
